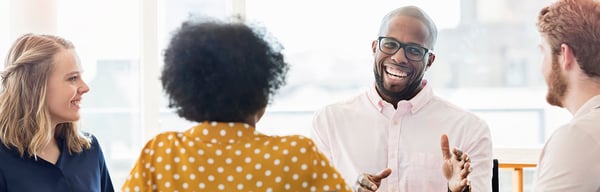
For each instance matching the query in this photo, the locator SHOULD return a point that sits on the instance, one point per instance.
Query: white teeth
(396, 73)
(403, 75)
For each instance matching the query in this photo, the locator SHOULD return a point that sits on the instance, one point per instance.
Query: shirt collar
(415, 104)
(589, 105)
(221, 132)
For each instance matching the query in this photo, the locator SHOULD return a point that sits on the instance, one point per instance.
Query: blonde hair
(24, 117)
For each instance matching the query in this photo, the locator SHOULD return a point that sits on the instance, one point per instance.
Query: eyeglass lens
(411, 51)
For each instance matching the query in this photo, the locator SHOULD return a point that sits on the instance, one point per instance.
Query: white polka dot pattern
(215, 156)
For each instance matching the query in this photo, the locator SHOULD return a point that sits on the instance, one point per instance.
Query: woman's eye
(74, 78)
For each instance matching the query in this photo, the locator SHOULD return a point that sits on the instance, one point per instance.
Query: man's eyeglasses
(412, 52)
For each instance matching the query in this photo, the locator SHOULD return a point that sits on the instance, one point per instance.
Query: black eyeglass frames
(412, 52)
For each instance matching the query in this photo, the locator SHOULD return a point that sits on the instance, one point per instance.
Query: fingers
(362, 189)
(469, 185)
(459, 185)
(445, 145)
(367, 182)
(364, 183)
(381, 175)
(466, 157)
(463, 183)
(458, 154)
(466, 170)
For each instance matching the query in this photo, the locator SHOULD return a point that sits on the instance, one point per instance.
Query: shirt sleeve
(2, 181)
(325, 177)
(106, 182)
(480, 152)
(568, 162)
(140, 178)
(319, 133)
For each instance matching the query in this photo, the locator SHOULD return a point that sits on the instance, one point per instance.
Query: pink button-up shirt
(366, 135)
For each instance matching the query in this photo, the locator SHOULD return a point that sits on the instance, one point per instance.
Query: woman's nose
(84, 88)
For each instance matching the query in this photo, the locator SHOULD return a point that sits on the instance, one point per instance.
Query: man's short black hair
(221, 71)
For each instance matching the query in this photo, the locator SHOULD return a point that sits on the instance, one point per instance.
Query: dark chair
(495, 185)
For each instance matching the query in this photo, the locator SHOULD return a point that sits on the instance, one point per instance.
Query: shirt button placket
(393, 148)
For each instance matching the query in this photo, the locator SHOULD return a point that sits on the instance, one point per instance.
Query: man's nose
(399, 56)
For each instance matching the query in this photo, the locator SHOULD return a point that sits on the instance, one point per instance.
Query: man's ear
(430, 60)
(374, 46)
(566, 57)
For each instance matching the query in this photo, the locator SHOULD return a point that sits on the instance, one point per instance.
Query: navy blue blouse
(85, 171)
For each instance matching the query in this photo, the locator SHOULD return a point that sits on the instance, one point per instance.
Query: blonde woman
(41, 147)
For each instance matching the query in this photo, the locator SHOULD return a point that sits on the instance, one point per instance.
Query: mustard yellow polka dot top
(216, 156)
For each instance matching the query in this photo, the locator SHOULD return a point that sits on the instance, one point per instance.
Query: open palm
(455, 167)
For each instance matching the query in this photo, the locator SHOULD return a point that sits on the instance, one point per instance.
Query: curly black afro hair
(221, 71)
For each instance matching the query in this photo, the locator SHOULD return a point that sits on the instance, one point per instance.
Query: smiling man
(396, 125)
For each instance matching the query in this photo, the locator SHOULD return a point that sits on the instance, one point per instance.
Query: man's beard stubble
(406, 94)
(557, 85)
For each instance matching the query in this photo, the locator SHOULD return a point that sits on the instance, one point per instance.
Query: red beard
(557, 84)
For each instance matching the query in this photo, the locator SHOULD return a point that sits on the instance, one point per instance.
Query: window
(108, 46)
(5, 41)
(328, 44)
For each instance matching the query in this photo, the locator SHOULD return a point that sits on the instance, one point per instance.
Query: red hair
(577, 24)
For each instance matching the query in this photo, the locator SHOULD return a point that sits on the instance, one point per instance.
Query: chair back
(495, 185)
